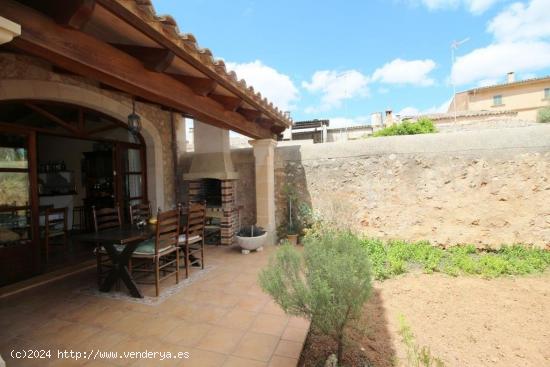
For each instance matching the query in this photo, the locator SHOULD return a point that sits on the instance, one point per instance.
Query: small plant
(543, 115)
(416, 355)
(328, 283)
(422, 126)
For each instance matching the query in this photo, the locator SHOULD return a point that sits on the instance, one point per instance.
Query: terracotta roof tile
(167, 25)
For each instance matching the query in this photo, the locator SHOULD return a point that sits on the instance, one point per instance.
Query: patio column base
(264, 156)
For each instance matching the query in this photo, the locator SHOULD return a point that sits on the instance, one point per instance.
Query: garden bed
(465, 321)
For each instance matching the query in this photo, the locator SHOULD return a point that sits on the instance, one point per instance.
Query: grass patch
(422, 126)
(397, 257)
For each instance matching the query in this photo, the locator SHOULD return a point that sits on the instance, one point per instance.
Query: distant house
(523, 97)
(319, 131)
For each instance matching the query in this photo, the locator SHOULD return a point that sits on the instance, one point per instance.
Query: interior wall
(55, 148)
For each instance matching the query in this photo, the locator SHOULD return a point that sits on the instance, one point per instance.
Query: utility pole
(454, 46)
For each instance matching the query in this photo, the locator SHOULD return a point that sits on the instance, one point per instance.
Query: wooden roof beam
(154, 59)
(51, 117)
(97, 60)
(70, 13)
(202, 86)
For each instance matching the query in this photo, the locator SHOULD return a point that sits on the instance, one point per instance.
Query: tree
(328, 283)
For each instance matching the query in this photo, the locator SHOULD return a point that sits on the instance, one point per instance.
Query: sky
(344, 60)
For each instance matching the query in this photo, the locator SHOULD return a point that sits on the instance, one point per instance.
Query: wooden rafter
(101, 129)
(230, 103)
(93, 58)
(154, 59)
(250, 115)
(52, 117)
(201, 86)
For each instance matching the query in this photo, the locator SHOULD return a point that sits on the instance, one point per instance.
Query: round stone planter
(248, 244)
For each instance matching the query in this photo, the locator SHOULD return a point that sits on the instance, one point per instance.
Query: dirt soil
(465, 321)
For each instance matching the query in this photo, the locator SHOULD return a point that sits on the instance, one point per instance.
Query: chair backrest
(142, 211)
(55, 221)
(168, 229)
(106, 218)
(196, 214)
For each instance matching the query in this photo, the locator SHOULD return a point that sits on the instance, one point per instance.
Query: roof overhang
(124, 45)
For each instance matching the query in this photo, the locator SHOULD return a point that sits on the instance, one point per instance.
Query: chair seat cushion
(192, 239)
(148, 248)
(118, 248)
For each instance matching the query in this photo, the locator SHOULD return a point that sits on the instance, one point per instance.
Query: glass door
(131, 177)
(19, 245)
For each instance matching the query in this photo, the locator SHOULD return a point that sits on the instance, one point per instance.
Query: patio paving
(221, 319)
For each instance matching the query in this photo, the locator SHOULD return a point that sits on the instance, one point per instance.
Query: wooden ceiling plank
(94, 59)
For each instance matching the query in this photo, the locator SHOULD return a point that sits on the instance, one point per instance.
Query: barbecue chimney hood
(212, 157)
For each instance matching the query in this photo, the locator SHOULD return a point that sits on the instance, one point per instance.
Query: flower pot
(292, 238)
(251, 240)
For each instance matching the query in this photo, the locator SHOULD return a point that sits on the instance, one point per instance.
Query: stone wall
(485, 187)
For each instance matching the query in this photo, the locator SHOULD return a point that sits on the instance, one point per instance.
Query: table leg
(120, 269)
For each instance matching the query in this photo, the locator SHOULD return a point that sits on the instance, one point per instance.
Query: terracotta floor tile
(256, 346)
(287, 348)
(233, 361)
(221, 340)
(203, 358)
(269, 324)
(187, 333)
(272, 308)
(298, 322)
(295, 334)
(251, 303)
(237, 319)
(278, 361)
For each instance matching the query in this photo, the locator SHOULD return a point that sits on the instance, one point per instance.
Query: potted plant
(292, 225)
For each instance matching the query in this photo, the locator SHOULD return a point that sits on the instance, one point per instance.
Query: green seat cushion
(148, 248)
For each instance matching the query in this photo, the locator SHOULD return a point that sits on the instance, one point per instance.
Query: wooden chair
(142, 211)
(80, 219)
(55, 227)
(103, 219)
(162, 251)
(192, 241)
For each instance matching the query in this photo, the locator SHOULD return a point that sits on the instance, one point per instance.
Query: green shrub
(422, 126)
(397, 257)
(328, 283)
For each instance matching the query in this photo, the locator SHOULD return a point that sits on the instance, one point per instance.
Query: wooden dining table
(129, 237)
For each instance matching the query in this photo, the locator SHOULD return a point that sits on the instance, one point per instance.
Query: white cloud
(522, 22)
(413, 111)
(495, 60)
(521, 44)
(277, 87)
(335, 87)
(473, 6)
(400, 71)
(340, 122)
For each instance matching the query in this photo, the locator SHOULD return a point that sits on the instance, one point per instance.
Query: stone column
(264, 156)
(8, 30)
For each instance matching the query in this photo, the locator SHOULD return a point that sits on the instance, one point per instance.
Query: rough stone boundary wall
(486, 187)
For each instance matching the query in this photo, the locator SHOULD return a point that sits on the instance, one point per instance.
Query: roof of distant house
(308, 124)
(519, 82)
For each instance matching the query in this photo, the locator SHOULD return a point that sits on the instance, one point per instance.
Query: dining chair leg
(99, 267)
(177, 267)
(202, 253)
(157, 276)
(186, 259)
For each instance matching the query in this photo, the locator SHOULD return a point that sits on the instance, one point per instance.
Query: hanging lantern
(134, 121)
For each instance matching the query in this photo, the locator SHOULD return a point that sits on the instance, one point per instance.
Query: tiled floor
(222, 319)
